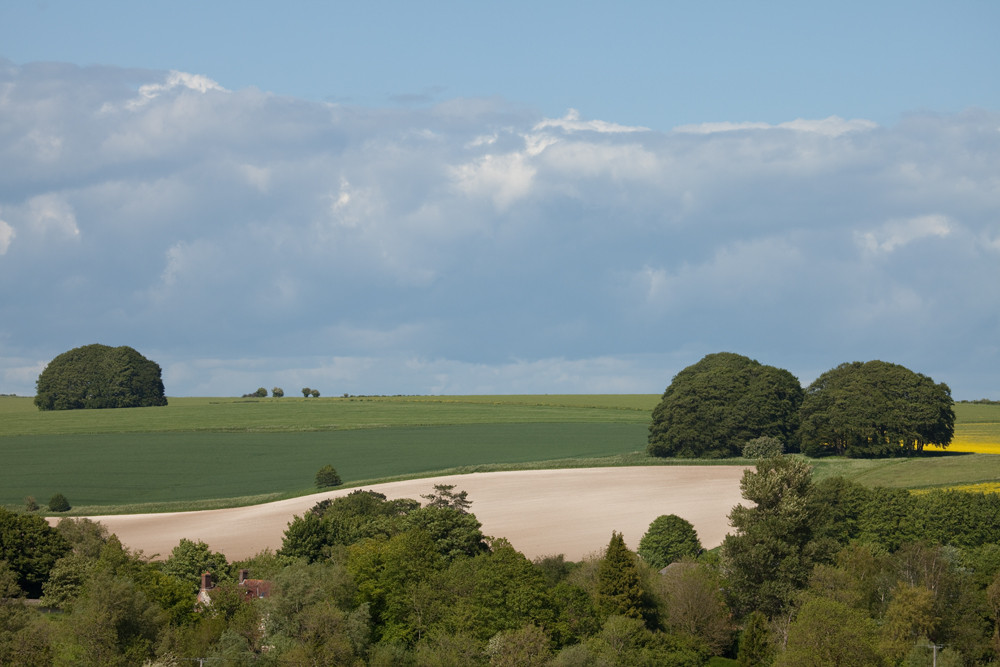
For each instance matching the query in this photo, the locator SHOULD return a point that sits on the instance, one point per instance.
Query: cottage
(249, 588)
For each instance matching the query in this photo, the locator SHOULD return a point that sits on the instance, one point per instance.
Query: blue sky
(454, 198)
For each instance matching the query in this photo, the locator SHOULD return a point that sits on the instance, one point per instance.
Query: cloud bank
(244, 239)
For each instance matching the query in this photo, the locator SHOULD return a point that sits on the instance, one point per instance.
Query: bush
(58, 503)
(277, 392)
(763, 447)
(327, 476)
(314, 393)
(30, 504)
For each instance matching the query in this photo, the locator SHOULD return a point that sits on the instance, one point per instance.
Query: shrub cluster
(763, 447)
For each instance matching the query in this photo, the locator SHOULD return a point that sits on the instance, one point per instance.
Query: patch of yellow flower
(982, 487)
(972, 446)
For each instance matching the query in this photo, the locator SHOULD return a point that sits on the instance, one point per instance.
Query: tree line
(813, 573)
(714, 407)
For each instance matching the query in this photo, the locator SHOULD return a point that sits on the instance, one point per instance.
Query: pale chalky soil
(541, 512)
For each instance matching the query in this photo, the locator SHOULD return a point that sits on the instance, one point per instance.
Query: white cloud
(186, 262)
(7, 235)
(897, 233)
(619, 162)
(504, 178)
(832, 126)
(471, 246)
(173, 81)
(51, 215)
(572, 122)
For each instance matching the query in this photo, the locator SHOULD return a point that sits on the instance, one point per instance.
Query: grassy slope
(247, 450)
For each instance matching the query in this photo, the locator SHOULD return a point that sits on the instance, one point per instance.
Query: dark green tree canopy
(875, 409)
(31, 548)
(669, 539)
(712, 408)
(99, 376)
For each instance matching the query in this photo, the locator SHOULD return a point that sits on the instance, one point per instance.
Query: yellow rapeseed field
(981, 487)
(970, 445)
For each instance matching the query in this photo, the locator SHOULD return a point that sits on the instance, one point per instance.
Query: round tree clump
(327, 476)
(875, 409)
(58, 503)
(669, 539)
(99, 376)
(712, 408)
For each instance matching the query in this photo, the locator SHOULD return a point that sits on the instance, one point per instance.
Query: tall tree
(712, 408)
(875, 409)
(619, 584)
(765, 561)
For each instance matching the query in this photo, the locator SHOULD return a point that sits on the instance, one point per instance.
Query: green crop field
(18, 416)
(200, 452)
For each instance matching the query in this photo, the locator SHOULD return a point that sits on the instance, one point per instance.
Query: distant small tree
(306, 391)
(30, 504)
(314, 393)
(327, 476)
(277, 392)
(58, 503)
(669, 539)
(443, 496)
(261, 392)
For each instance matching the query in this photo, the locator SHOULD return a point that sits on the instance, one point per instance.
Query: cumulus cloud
(475, 246)
(173, 81)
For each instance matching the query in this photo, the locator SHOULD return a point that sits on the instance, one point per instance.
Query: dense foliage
(875, 409)
(669, 539)
(30, 548)
(820, 573)
(99, 376)
(712, 408)
(727, 405)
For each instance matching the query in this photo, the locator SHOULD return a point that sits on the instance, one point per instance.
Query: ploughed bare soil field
(541, 512)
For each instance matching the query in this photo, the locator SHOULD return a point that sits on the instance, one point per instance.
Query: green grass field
(201, 452)
(18, 415)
